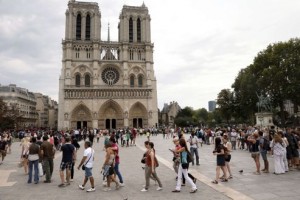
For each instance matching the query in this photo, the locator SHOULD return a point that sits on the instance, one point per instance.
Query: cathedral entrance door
(78, 125)
(137, 123)
(110, 124)
(82, 124)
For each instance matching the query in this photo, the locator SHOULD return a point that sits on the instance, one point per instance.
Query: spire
(108, 35)
(143, 5)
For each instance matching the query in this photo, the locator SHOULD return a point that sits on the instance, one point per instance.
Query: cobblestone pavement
(246, 185)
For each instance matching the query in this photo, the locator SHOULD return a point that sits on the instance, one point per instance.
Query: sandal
(215, 182)
(224, 180)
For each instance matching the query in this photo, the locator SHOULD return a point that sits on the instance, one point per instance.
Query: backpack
(266, 144)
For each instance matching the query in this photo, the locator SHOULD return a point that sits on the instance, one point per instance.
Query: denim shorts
(88, 172)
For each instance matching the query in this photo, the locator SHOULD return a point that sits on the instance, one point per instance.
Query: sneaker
(159, 189)
(71, 180)
(144, 190)
(81, 187)
(91, 190)
(107, 189)
(104, 183)
(121, 184)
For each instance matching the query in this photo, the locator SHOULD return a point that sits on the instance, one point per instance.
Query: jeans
(195, 151)
(33, 164)
(184, 172)
(48, 168)
(118, 172)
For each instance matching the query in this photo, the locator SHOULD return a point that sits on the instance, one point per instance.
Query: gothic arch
(111, 111)
(81, 117)
(138, 115)
(137, 70)
(81, 69)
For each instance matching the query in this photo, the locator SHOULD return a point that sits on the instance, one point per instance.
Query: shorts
(3, 153)
(264, 155)
(228, 158)
(221, 161)
(88, 172)
(65, 165)
(254, 155)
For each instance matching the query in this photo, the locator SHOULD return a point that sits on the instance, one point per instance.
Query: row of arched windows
(87, 80)
(140, 79)
(87, 27)
(138, 30)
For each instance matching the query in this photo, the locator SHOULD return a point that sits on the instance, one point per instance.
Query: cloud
(199, 46)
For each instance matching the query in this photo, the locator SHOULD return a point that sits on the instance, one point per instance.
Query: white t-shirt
(89, 153)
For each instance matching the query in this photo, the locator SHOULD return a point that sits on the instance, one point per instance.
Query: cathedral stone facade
(107, 84)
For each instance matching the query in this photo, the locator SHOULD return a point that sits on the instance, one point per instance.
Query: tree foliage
(9, 116)
(274, 73)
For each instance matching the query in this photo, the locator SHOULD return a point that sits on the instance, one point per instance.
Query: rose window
(110, 76)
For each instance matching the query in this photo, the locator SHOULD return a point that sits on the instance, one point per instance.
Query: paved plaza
(246, 185)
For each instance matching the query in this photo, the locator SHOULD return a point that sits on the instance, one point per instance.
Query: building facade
(47, 110)
(168, 114)
(107, 84)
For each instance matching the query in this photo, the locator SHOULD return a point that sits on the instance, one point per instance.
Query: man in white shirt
(87, 161)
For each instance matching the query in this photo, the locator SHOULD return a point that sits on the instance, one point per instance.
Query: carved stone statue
(263, 103)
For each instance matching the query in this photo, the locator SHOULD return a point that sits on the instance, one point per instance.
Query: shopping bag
(41, 172)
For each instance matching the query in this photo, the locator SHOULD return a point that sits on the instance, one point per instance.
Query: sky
(199, 45)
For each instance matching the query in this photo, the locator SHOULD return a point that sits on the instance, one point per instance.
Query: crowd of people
(39, 149)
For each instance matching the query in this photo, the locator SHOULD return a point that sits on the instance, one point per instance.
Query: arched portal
(138, 117)
(81, 117)
(111, 115)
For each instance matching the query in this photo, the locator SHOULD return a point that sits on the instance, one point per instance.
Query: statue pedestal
(264, 120)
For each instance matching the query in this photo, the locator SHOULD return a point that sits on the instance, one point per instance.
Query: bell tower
(107, 84)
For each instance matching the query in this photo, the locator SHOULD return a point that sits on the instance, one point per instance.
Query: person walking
(68, 155)
(108, 167)
(193, 140)
(3, 149)
(183, 167)
(150, 166)
(115, 148)
(88, 161)
(47, 154)
(33, 157)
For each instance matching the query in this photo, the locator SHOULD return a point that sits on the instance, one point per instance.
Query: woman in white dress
(279, 150)
(285, 161)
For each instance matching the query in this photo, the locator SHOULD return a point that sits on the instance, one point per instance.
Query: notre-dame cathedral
(107, 84)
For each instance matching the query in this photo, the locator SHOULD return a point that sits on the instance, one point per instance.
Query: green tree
(225, 101)
(185, 117)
